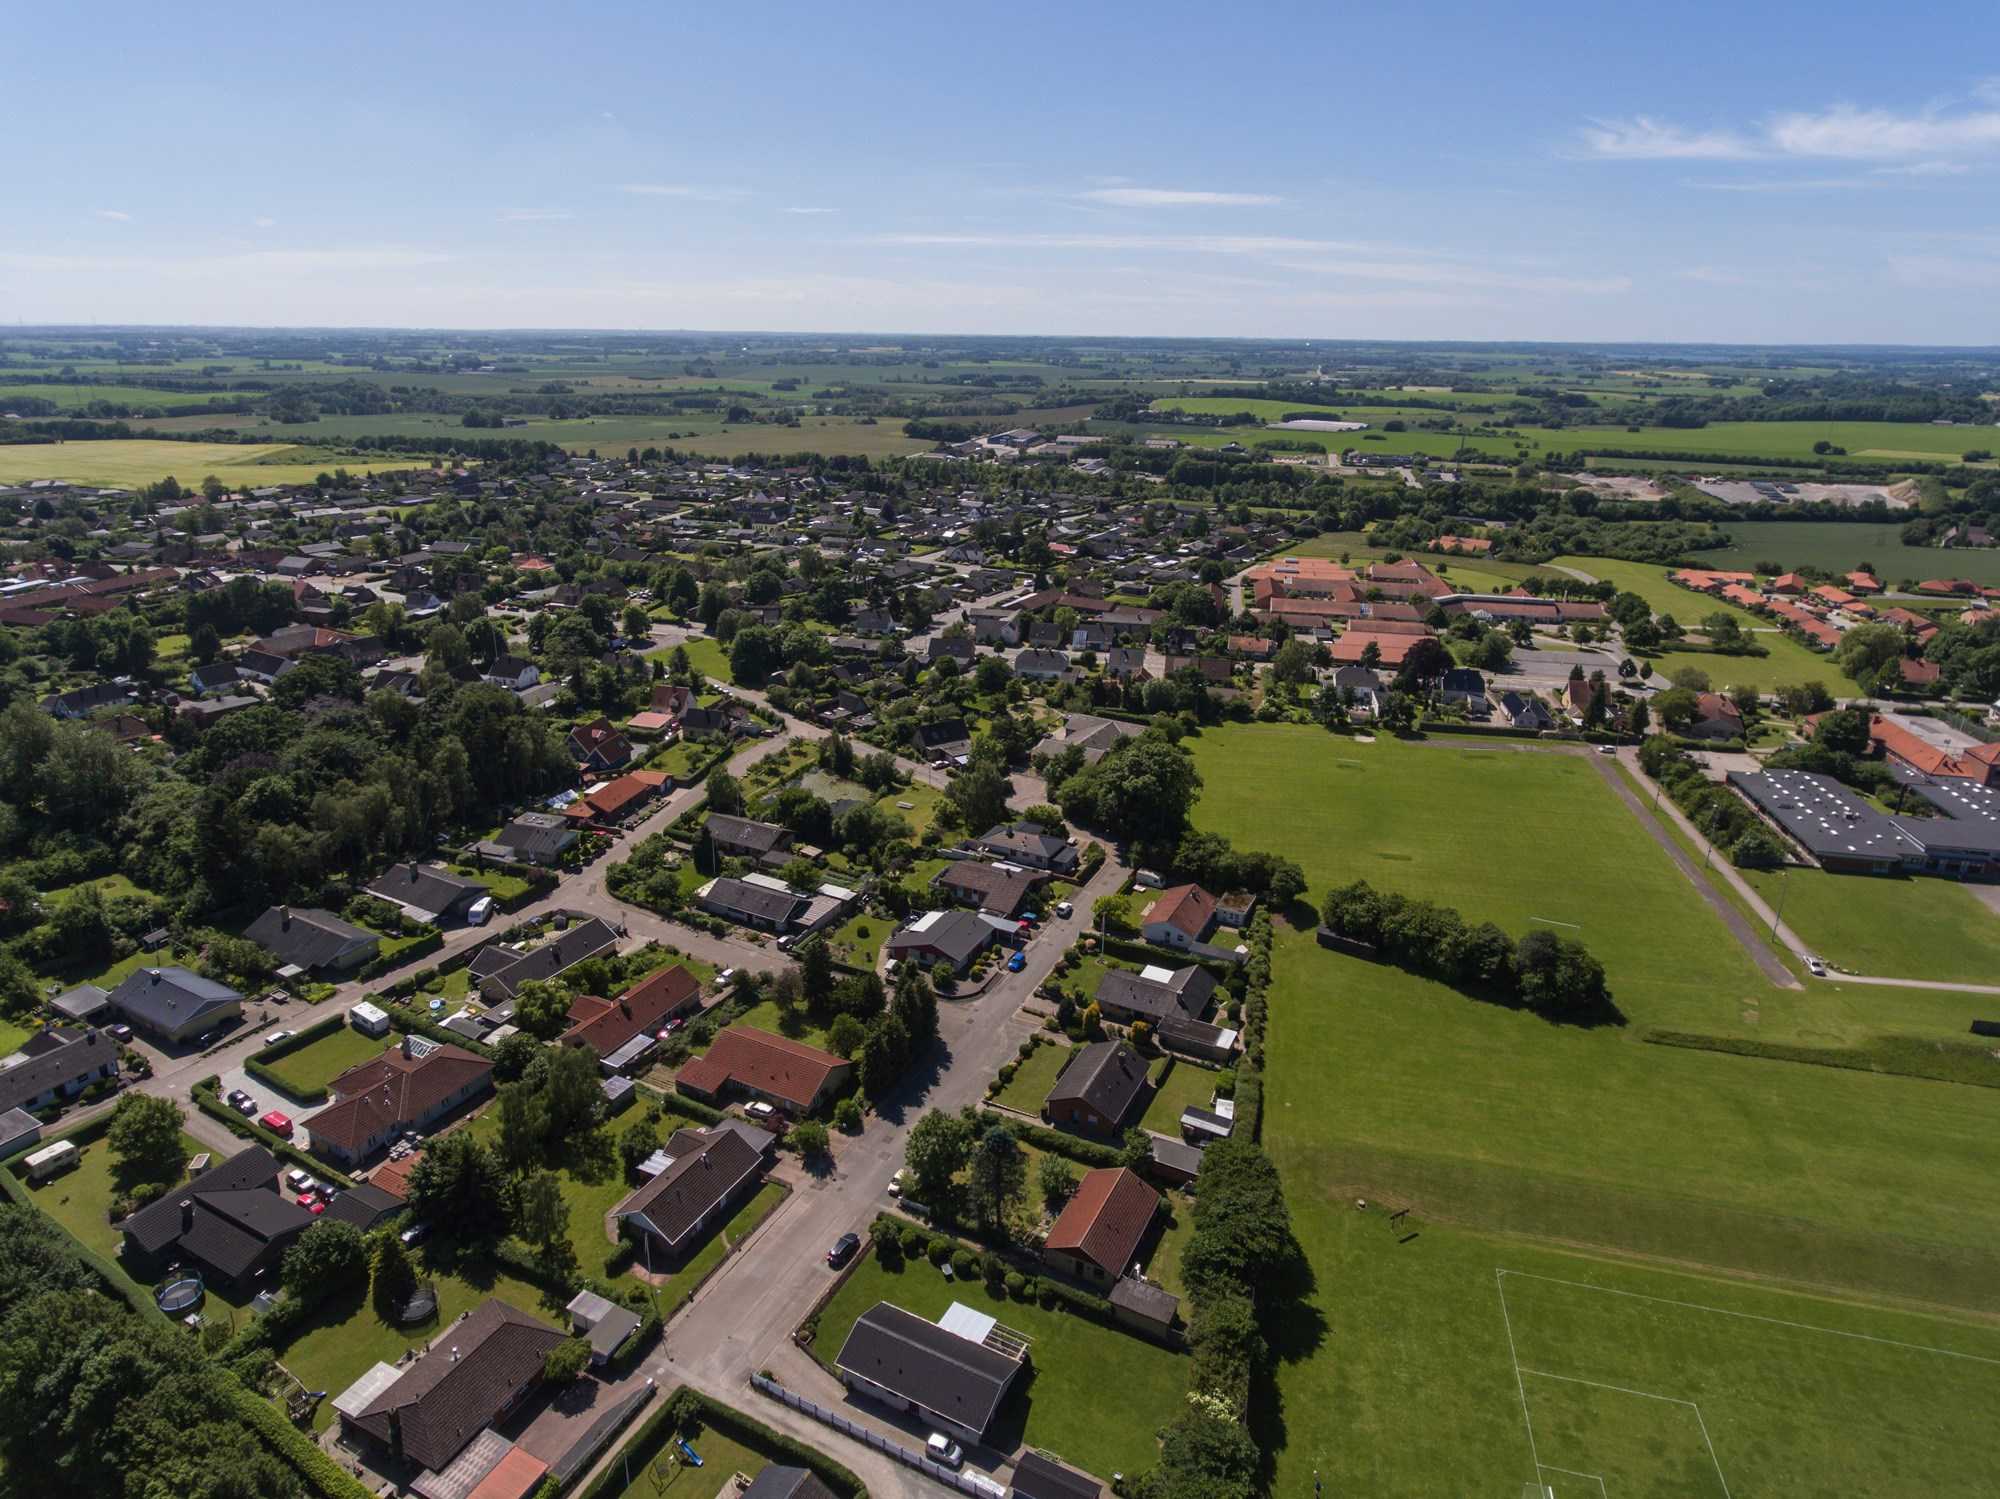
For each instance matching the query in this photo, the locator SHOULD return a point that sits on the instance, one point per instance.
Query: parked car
(300, 1181)
(246, 1106)
(120, 1032)
(416, 1233)
(1065, 910)
(1814, 966)
(1016, 963)
(725, 978)
(234, 1097)
(276, 1036)
(943, 1450)
(843, 1250)
(277, 1123)
(758, 1109)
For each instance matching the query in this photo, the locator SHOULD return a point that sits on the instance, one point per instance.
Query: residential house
(1097, 1236)
(476, 1374)
(1181, 917)
(310, 940)
(1155, 994)
(499, 972)
(945, 939)
(426, 892)
(769, 907)
(52, 1066)
(1003, 889)
(1025, 843)
(777, 1482)
(598, 746)
(231, 1222)
(81, 702)
(410, 1086)
(744, 838)
(618, 800)
(1126, 663)
(1088, 733)
(607, 1026)
(1523, 710)
(1716, 718)
(512, 673)
(172, 1004)
(707, 1172)
(214, 679)
(953, 1374)
(531, 838)
(1098, 1090)
(1465, 688)
(787, 1074)
(945, 741)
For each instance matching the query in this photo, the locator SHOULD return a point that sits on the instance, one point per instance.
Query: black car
(843, 1250)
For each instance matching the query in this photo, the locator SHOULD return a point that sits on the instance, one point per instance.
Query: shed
(18, 1130)
(1145, 1306)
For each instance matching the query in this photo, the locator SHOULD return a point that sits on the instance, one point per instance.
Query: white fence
(965, 1483)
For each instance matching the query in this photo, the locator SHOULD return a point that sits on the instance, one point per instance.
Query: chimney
(154, 974)
(409, 1045)
(284, 918)
(187, 1214)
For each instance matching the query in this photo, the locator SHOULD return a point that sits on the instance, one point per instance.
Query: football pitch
(1627, 1395)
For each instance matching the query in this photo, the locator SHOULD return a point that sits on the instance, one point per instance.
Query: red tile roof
(783, 1069)
(1186, 908)
(394, 1089)
(1107, 1219)
(604, 1025)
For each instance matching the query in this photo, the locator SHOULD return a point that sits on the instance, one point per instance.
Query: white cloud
(264, 221)
(1438, 273)
(1711, 275)
(812, 210)
(1786, 184)
(1199, 244)
(536, 215)
(1643, 138)
(680, 190)
(116, 216)
(1851, 134)
(1945, 272)
(1173, 197)
(1927, 169)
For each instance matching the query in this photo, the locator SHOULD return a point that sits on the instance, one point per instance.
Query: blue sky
(1761, 173)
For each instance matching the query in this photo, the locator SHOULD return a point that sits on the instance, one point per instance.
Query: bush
(915, 1241)
(940, 1250)
(1017, 1285)
(964, 1264)
(847, 1115)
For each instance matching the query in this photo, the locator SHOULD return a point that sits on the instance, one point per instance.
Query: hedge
(685, 1406)
(1083, 1152)
(1145, 952)
(259, 1065)
(423, 947)
(207, 1096)
(320, 1473)
(679, 1103)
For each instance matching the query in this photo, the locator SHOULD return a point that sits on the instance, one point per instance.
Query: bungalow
(1026, 843)
(743, 838)
(1003, 889)
(54, 1065)
(947, 939)
(410, 1086)
(512, 673)
(1092, 735)
(1717, 718)
(617, 800)
(426, 892)
(1042, 666)
(1181, 917)
(476, 1374)
(784, 1073)
(953, 1374)
(1155, 994)
(605, 1026)
(751, 904)
(231, 1221)
(598, 746)
(309, 939)
(498, 971)
(1465, 688)
(1098, 1089)
(215, 678)
(707, 1170)
(1098, 1234)
(532, 838)
(173, 1004)
(947, 740)
(81, 702)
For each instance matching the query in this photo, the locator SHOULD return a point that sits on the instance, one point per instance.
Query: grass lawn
(78, 1199)
(1163, 1265)
(738, 1228)
(1520, 838)
(1895, 928)
(593, 1183)
(319, 1063)
(139, 461)
(1839, 547)
(1094, 1396)
(1186, 1086)
(705, 654)
(12, 1037)
(659, 1471)
(344, 1338)
(504, 886)
(1038, 1073)
(764, 1015)
(921, 810)
(679, 759)
(850, 944)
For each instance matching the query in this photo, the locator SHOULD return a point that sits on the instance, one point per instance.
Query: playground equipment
(692, 1456)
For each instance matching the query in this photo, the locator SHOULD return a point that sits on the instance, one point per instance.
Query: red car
(277, 1123)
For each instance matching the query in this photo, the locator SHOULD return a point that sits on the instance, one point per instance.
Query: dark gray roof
(310, 938)
(994, 888)
(760, 901)
(787, 1483)
(166, 999)
(1146, 1300)
(82, 1002)
(551, 958)
(424, 887)
(707, 1166)
(363, 1205)
(69, 1057)
(536, 835)
(956, 934)
(235, 1213)
(743, 832)
(1186, 994)
(1038, 1477)
(938, 1371)
(1107, 1075)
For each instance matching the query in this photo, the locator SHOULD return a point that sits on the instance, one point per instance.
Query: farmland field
(131, 463)
(73, 397)
(1838, 546)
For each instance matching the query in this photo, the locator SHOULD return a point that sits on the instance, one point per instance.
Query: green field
(130, 464)
(659, 1472)
(71, 397)
(319, 1062)
(1840, 547)
(1895, 928)
(1186, 1086)
(1094, 1397)
(1035, 1075)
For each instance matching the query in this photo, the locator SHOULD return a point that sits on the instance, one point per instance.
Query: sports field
(135, 462)
(1839, 547)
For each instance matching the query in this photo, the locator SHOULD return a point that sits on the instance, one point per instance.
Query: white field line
(1571, 1472)
(1616, 1389)
(1711, 1453)
(1551, 921)
(1696, 1306)
(1520, 1388)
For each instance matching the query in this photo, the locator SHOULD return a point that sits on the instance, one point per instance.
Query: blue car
(1016, 963)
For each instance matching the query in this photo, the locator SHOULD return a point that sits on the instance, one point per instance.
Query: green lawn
(1520, 838)
(135, 462)
(1185, 1087)
(344, 1338)
(705, 654)
(315, 1065)
(78, 1199)
(764, 1016)
(858, 940)
(1839, 547)
(1163, 1264)
(1894, 928)
(732, 1232)
(12, 1037)
(659, 1471)
(1096, 1395)
(1038, 1073)
(504, 886)
(921, 811)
